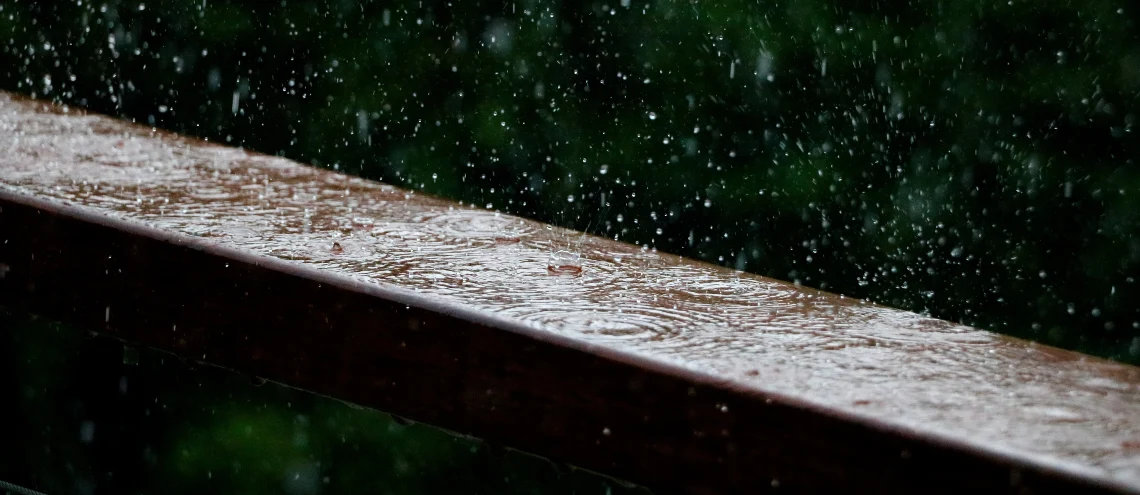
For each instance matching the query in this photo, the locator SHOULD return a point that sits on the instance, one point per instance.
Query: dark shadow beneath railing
(88, 414)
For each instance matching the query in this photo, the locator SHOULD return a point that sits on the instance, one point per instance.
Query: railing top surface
(889, 368)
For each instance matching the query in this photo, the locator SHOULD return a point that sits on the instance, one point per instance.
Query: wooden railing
(676, 374)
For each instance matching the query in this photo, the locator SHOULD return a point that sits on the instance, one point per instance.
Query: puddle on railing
(88, 415)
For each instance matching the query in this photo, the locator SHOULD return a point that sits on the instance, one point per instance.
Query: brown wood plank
(681, 375)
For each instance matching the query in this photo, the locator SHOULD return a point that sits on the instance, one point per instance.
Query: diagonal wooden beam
(680, 375)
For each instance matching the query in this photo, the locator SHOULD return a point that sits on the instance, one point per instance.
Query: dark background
(974, 160)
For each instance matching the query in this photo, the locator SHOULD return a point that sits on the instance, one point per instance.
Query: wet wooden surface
(681, 375)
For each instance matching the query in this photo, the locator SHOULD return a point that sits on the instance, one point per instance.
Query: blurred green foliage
(85, 415)
(975, 160)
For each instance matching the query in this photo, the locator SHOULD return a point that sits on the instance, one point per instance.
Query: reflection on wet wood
(644, 365)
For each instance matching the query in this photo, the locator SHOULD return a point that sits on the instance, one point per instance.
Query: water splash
(564, 263)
